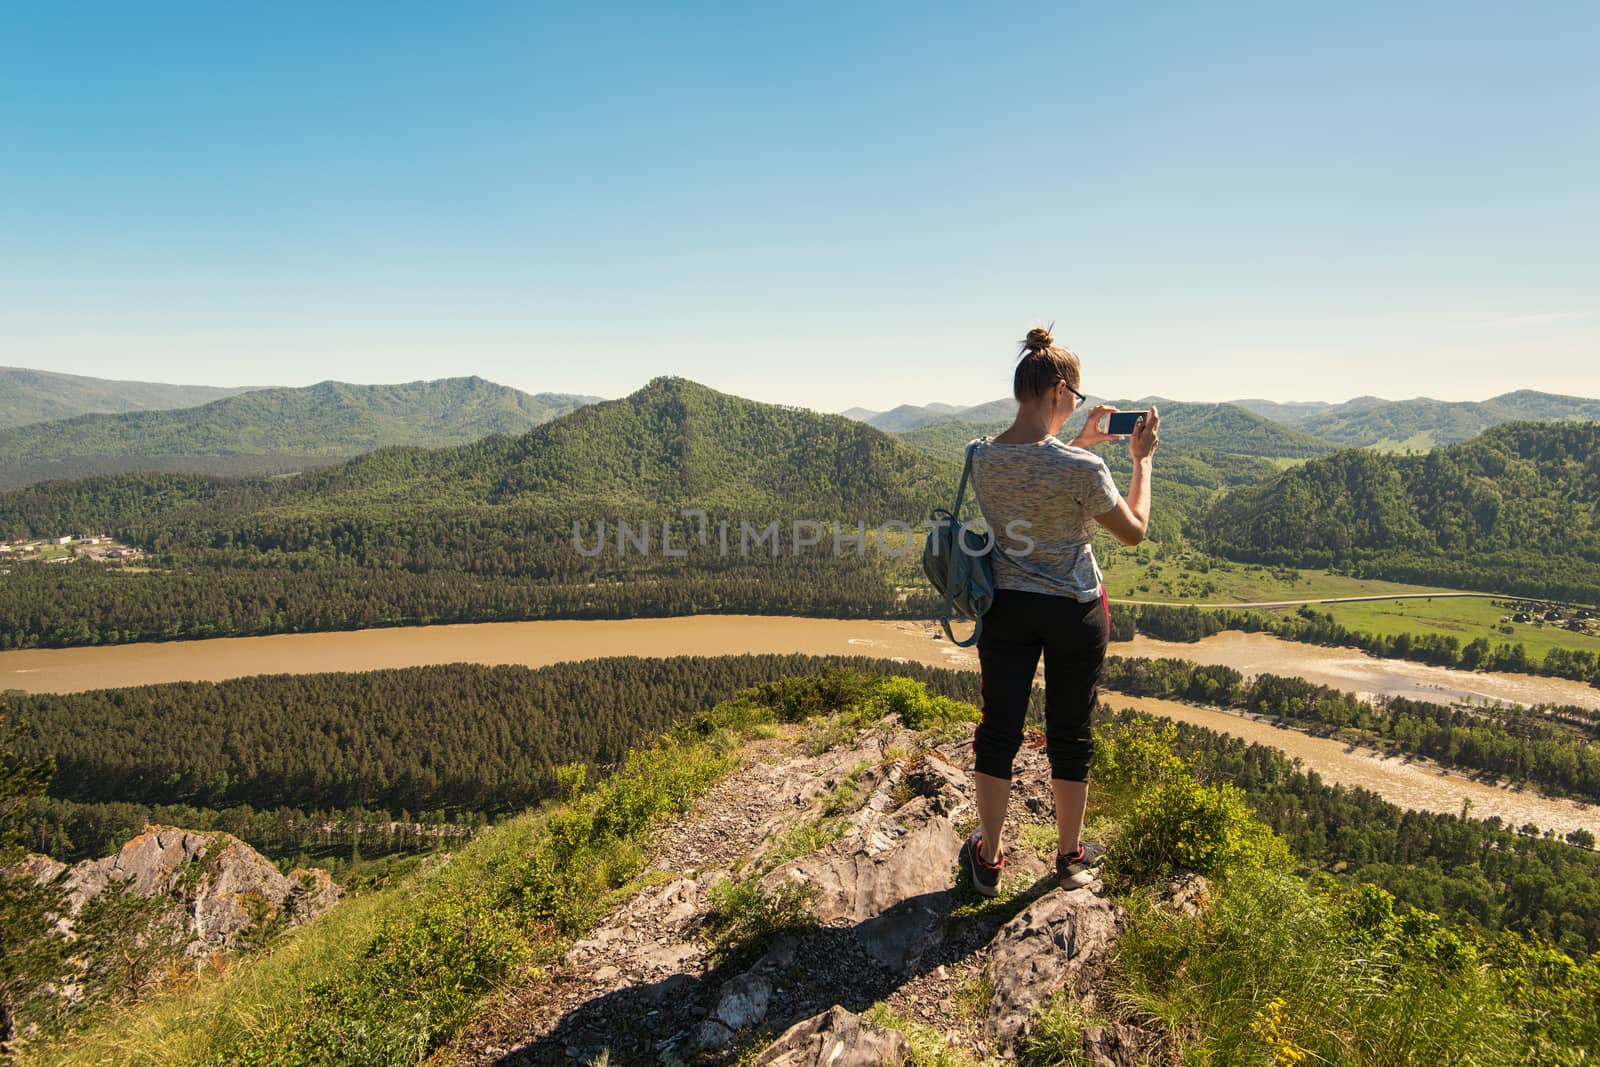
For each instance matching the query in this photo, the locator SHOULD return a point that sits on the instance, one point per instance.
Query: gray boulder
(1045, 949)
(744, 1001)
(835, 1038)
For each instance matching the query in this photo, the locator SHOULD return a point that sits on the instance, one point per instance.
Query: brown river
(1410, 783)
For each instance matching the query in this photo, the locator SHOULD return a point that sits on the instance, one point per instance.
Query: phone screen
(1122, 422)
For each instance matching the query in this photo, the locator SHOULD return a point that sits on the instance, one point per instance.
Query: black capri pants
(1072, 635)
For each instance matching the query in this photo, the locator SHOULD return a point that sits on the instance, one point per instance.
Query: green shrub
(1135, 754)
(1557, 998)
(570, 780)
(799, 699)
(1274, 971)
(745, 917)
(1208, 829)
(802, 839)
(914, 705)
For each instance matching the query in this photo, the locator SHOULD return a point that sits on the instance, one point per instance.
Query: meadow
(1190, 577)
(1466, 618)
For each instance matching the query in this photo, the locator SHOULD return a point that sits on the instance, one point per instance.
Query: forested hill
(1230, 428)
(39, 395)
(672, 443)
(677, 442)
(491, 530)
(1514, 510)
(270, 430)
(1421, 423)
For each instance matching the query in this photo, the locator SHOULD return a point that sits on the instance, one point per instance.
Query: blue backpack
(958, 569)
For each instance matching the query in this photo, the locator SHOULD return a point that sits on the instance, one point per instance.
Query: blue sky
(818, 204)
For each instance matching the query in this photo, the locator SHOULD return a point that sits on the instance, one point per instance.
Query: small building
(64, 539)
(1552, 616)
(1521, 616)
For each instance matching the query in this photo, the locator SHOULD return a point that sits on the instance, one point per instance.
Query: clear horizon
(833, 208)
(839, 410)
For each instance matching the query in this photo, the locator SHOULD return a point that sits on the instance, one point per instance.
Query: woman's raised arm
(1129, 521)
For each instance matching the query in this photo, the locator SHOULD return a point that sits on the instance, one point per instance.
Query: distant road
(1324, 600)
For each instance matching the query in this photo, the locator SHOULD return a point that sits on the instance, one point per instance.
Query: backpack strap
(957, 546)
(977, 628)
(961, 486)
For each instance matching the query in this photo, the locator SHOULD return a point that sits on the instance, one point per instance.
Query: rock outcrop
(835, 1038)
(224, 887)
(890, 877)
(888, 920)
(1043, 950)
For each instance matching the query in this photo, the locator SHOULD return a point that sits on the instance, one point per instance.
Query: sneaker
(1077, 871)
(985, 876)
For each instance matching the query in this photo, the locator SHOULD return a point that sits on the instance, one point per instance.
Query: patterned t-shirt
(1046, 493)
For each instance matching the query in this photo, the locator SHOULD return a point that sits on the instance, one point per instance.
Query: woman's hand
(1092, 434)
(1146, 435)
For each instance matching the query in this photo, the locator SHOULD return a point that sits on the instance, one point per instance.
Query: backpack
(956, 568)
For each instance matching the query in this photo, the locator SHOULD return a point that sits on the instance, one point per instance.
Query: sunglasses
(1081, 398)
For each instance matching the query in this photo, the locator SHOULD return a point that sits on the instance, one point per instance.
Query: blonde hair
(1042, 364)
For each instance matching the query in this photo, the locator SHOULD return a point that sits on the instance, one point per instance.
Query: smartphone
(1122, 422)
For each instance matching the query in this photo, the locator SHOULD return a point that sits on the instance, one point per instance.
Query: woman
(1042, 498)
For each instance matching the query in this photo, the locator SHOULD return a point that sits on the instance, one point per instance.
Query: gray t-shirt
(1048, 493)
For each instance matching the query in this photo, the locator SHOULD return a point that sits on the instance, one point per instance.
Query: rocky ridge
(880, 933)
(224, 888)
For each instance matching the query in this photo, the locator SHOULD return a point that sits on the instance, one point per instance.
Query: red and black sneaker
(1082, 867)
(985, 875)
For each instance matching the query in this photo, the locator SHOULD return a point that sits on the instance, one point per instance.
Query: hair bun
(1038, 340)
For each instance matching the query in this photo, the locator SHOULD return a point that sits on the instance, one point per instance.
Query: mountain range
(61, 426)
(496, 529)
(1221, 428)
(28, 396)
(671, 444)
(1365, 422)
(1420, 424)
(489, 529)
(272, 430)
